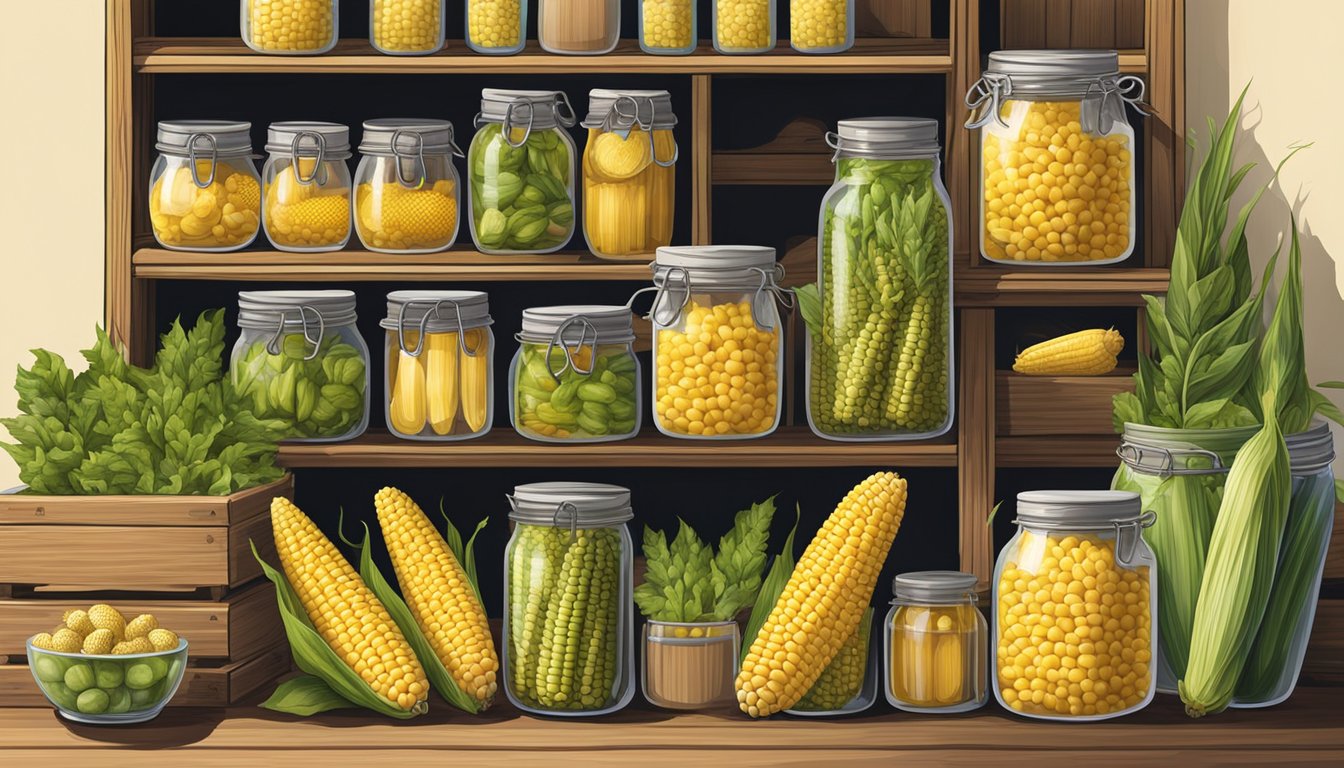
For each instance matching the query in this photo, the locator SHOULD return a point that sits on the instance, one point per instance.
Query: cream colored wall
(51, 204)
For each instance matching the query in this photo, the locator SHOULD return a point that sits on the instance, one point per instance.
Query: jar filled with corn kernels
(743, 26)
(937, 642)
(821, 26)
(306, 195)
(1057, 157)
(407, 27)
(294, 27)
(204, 192)
(406, 187)
(667, 27)
(629, 173)
(497, 27)
(1074, 620)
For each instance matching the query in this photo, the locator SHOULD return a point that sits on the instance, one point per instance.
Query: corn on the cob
(66, 640)
(441, 381)
(140, 645)
(78, 620)
(162, 639)
(104, 616)
(44, 641)
(1085, 353)
(476, 380)
(407, 406)
(141, 626)
(843, 678)
(825, 598)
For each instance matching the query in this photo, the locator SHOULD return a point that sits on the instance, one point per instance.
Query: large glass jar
(440, 379)
(204, 194)
(496, 26)
(1057, 152)
(522, 172)
(1074, 627)
(301, 360)
(406, 195)
(690, 665)
(290, 26)
(306, 186)
(880, 365)
(568, 607)
(667, 27)
(937, 643)
(821, 26)
(718, 343)
(575, 377)
(584, 27)
(743, 26)
(629, 173)
(407, 27)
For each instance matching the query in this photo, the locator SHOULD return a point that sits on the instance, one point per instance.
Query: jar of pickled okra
(522, 172)
(406, 188)
(821, 26)
(306, 187)
(568, 607)
(1074, 626)
(667, 27)
(496, 26)
(205, 194)
(300, 360)
(1057, 180)
(575, 377)
(743, 26)
(937, 643)
(629, 173)
(407, 27)
(440, 378)
(690, 665)
(290, 26)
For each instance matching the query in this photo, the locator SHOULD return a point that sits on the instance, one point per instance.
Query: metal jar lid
(1311, 451)
(1060, 65)
(933, 586)
(570, 505)
(1092, 77)
(308, 139)
(1081, 510)
(611, 109)
(408, 137)
(437, 311)
(577, 324)
(885, 137)
(202, 138)
(296, 310)
(681, 269)
(1164, 452)
(532, 109)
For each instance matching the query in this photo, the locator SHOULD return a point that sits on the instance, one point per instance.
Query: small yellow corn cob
(79, 621)
(441, 381)
(1085, 353)
(44, 641)
(141, 626)
(948, 667)
(138, 645)
(843, 678)
(104, 616)
(99, 641)
(66, 640)
(407, 408)
(475, 380)
(162, 639)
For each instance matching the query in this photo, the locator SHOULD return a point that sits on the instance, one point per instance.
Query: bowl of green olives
(108, 689)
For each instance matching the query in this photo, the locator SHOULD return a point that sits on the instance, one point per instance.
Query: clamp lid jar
(407, 196)
(306, 186)
(205, 193)
(936, 642)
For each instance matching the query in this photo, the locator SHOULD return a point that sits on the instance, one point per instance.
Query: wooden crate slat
(143, 510)
(1057, 405)
(130, 557)
(975, 443)
(1022, 23)
(1058, 23)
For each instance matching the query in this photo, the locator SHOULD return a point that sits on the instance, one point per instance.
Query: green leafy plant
(781, 568)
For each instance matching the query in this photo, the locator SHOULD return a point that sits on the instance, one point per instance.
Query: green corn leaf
(771, 588)
(809, 306)
(305, 695)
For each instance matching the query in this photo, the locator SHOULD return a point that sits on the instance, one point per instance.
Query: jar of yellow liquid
(204, 192)
(290, 27)
(407, 195)
(629, 173)
(937, 643)
(306, 200)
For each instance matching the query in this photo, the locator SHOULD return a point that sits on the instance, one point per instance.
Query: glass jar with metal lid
(629, 172)
(522, 172)
(1074, 625)
(937, 643)
(581, 27)
(301, 360)
(668, 27)
(743, 26)
(1057, 157)
(407, 27)
(406, 195)
(879, 352)
(440, 378)
(294, 27)
(575, 377)
(568, 617)
(306, 186)
(204, 194)
(821, 26)
(497, 27)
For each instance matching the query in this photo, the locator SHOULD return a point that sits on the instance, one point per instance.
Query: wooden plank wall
(1072, 23)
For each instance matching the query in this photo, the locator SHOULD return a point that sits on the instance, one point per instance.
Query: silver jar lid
(1311, 451)
(621, 109)
(578, 324)
(933, 586)
(1055, 64)
(296, 310)
(1083, 510)
(679, 270)
(531, 109)
(570, 505)
(1092, 77)
(205, 138)
(408, 137)
(308, 139)
(437, 311)
(885, 137)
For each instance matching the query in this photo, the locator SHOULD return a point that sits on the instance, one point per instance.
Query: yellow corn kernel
(818, 25)
(407, 26)
(290, 25)
(494, 23)
(1085, 353)
(667, 24)
(743, 25)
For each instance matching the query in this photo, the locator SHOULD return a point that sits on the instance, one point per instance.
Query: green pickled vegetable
(521, 198)
(93, 701)
(322, 397)
(80, 677)
(600, 403)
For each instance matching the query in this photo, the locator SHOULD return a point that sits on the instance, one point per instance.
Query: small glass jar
(1073, 594)
(301, 360)
(718, 343)
(1057, 153)
(937, 643)
(667, 27)
(407, 27)
(743, 26)
(848, 685)
(205, 194)
(568, 607)
(821, 26)
(690, 665)
(306, 187)
(582, 27)
(575, 377)
(406, 195)
(496, 27)
(440, 379)
(629, 173)
(293, 27)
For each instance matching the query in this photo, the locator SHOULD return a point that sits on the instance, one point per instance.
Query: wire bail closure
(663, 291)
(558, 340)
(569, 507)
(273, 344)
(1102, 102)
(434, 306)
(1133, 456)
(1127, 537)
(319, 166)
(617, 121)
(214, 158)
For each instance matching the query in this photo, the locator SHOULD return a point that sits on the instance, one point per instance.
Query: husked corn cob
(843, 678)
(161, 639)
(441, 381)
(139, 645)
(44, 641)
(66, 640)
(1085, 353)
(407, 406)
(476, 380)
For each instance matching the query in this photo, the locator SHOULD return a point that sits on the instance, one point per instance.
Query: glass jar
(743, 26)
(301, 360)
(937, 643)
(568, 607)
(575, 377)
(496, 26)
(406, 194)
(584, 27)
(522, 172)
(440, 382)
(848, 685)
(690, 665)
(290, 26)
(306, 187)
(718, 343)
(821, 26)
(880, 365)
(1074, 628)
(667, 27)
(205, 194)
(629, 173)
(1057, 181)
(407, 27)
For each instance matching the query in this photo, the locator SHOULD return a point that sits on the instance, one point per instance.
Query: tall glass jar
(667, 27)
(440, 379)
(718, 343)
(522, 172)
(821, 26)
(1057, 152)
(407, 27)
(879, 367)
(1074, 627)
(937, 644)
(301, 360)
(205, 194)
(568, 607)
(629, 173)
(583, 27)
(406, 195)
(690, 665)
(306, 186)
(575, 377)
(743, 26)
(496, 26)
(293, 27)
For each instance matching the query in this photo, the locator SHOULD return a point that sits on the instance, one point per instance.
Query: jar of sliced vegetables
(629, 173)
(205, 194)
(306, 195)
(407, 196)
(937, 643)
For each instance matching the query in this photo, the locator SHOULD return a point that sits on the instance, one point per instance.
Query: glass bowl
(107, 689)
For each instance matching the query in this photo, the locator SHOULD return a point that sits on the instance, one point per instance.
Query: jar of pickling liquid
(568, 608)
(406, 187)
(1074, 620)
(743, 26)
(1057, 157)
(629, 173)
(204, 192)
(306, 195)
(821, 26)
(496, 27)
(290, 26)
(667, 27)
(407, 27)
(937, 643)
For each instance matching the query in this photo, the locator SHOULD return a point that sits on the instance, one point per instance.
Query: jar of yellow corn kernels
(204, 193)
(743, 26)
(629, 173)
(407, 27)
(306, 195)
(406, 187)
(667, 27)
(1074, 595)
(936, 643)
(290, 26)
(821, 26)
(1057, 152)
(496, 26)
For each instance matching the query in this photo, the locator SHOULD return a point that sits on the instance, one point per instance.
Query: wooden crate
(1114, 24)
(1057, 405)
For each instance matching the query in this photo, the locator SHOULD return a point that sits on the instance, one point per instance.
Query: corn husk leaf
(771, 587)
(464, 552)
(305, 695)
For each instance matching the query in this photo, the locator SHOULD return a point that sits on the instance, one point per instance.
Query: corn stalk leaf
(809, 306)
(305, 695)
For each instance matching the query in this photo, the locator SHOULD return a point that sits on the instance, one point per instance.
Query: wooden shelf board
(1057, 405)
(1053, 451)
(1002, 286)
(1133, 62)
